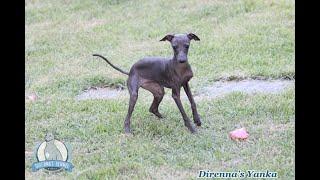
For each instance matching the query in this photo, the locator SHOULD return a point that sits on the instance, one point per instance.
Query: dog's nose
(182, 60)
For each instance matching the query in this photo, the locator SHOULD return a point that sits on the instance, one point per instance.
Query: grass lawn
(239, 38)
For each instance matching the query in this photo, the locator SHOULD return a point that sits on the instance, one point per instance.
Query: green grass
(243, 38)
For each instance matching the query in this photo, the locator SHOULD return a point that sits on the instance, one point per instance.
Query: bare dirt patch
(101, 93)
(217, 89)
(249, 86)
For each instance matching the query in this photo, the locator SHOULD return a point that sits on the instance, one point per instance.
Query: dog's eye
(187, 46)
(175, 47)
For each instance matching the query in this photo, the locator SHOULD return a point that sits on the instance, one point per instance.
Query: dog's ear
(193, 36)
(168, 37)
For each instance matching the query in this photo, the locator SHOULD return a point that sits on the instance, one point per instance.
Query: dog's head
(180, 44)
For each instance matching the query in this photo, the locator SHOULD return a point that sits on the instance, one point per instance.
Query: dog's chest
(184, 74)
(176, 75)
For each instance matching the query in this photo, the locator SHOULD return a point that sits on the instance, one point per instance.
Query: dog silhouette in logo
(51, 151)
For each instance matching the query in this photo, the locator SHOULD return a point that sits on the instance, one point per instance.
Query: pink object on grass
(240, 134)
(33, 97)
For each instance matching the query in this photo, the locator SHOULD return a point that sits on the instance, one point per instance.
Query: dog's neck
(179, 68)
(177, 65)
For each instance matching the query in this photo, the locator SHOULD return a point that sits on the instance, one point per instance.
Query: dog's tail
(111, 64)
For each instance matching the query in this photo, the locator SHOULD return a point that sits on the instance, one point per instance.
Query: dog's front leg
(195, 114)
(176, 97)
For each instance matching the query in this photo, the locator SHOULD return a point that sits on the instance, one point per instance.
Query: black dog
(155, 73)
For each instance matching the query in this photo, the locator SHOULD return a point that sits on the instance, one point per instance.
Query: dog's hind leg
(158, 93)
(133, 86)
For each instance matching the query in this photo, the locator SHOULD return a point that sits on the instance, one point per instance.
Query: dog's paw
(191, 128)
(159, 115)
(197, 121)
(155, 112)
(127, 130)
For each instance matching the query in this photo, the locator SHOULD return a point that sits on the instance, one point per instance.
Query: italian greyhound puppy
(155, 73)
